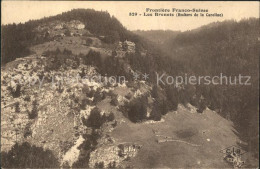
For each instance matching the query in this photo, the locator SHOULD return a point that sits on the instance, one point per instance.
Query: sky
(22, 11)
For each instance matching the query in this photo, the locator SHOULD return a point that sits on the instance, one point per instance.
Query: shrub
(114, 101)
(27, 98)
(15, 93)
(34, 113)
(89, 41)
(28, 156)
(128, 96)
(98, 96)
(94, 120)
(93, 58)
(27, 130)
(99, 165)
(112, 164)
(154, 92)
(164, 106)
(82, 73)
(110, 117)
(114, 53)
(17, 107)
(84, 102)
(67, 32)
(137, 109)
(114, 124)
(156, 113)
(112, 37)
(86, 148)
(90, 93)
(202, 106)
(60, 89)
(171, 95)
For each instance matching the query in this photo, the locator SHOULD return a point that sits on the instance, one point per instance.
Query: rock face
(112, 155)
(107, 155)
(72, 155)
(128, 150)
(12, 129)
(128, 46)
(58, 124)
(59, 29)
(59, 102)
(56, 117)
(76, 24)
(123, 47)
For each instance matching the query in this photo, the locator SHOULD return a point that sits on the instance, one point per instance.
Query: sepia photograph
(130, 84)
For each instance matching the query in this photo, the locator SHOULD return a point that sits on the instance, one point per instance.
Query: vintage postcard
(130, 84)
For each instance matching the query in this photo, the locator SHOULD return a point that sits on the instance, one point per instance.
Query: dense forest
(230, 48)
(157, 36)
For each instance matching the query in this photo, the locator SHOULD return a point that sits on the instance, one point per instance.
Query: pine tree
(34, 113)
(17, 107)
(156, 113)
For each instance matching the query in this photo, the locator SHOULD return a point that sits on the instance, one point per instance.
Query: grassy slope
(190, 127)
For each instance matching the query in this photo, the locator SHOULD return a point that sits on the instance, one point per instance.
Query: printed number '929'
(133, 14)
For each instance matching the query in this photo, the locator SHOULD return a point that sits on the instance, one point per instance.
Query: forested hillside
(157, 36)
(17, 38)
(230, 48)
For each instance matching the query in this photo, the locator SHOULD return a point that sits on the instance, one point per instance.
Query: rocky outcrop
(123, 47)
(75, 24)
(112, 155)
(72, 155)
(128, 150)
(106, 155)
(128, 46)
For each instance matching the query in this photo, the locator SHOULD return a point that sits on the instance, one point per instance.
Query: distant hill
(157, 36)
